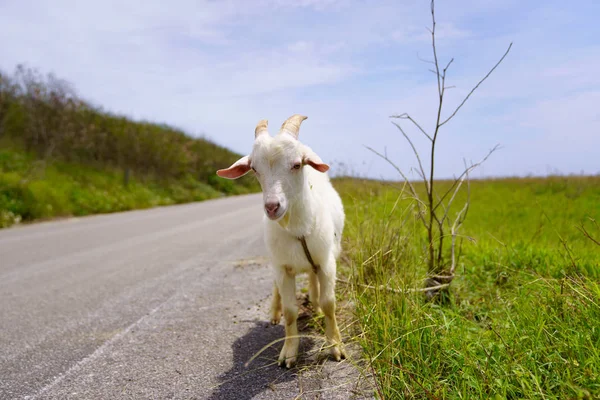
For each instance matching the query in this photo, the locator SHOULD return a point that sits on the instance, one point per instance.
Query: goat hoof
(275, 317)
(289, 352)
(287, 362)
(337, 352)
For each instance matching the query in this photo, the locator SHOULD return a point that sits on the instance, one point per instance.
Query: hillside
(59, 156)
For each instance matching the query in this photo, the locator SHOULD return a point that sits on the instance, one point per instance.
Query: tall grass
(522, 317)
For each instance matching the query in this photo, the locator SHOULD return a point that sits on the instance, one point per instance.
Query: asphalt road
(163, 303)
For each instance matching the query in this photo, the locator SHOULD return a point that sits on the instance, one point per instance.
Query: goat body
(300, 202)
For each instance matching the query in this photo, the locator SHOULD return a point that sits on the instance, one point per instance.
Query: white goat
(304, 220)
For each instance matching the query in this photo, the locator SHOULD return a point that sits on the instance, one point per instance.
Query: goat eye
(297, 166)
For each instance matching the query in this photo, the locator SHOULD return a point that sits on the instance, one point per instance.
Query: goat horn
(292, 125)
(261, 128)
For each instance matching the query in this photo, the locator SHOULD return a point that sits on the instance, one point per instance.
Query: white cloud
(217, 67)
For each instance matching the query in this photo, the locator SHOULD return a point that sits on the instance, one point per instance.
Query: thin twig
(448, 66)
(424, 60)
(410, 185)
(458, 222)
(440, 223)
(468, 202)
(398, 291)
(408, 117)
(461, 176)
(414, 151)
(587, 234)
(477, 86)
(435, 59)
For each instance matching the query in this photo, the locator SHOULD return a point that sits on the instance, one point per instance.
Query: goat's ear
(239, 168)
(311, 158)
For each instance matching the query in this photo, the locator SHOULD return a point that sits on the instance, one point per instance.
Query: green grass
(31, 189)
(523, 317)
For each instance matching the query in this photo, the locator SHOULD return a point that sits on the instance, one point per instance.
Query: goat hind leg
(327, 301)
(313, 292)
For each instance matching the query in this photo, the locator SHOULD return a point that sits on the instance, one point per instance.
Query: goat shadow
(243, 382)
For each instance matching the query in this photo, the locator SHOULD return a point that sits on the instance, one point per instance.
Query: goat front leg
(286, 283)
(327, 302)
(275, 305)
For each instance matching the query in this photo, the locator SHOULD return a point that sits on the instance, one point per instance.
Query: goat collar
(315, 267)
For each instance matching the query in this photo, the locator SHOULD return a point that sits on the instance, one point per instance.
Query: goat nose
(271, 207)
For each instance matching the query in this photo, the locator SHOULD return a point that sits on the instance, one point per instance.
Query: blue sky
(215, 68)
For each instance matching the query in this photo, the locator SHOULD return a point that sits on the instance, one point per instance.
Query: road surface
(163, 303)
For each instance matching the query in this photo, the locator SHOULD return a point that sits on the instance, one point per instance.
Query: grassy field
(523, 320)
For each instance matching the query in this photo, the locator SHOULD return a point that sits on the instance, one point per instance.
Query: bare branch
(440, 222)
(463, 215)
(446, 210)
(408, 117)
(587, 234)
(448, 66)
(456, 190)
(435, 58)
(441, 277)
(469, 238)
(461, 176)
(440, 250)
(477, 86)
(424, 60)
(419, 173)
(416, 153)
(410, 185)
(458, 222)
(389, 289)
(440, 82)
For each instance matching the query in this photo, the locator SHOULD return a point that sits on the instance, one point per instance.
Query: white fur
(309, 207)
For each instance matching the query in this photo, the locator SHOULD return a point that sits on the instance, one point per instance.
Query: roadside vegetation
(521, 317)
(61, 156)
(504, 303)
